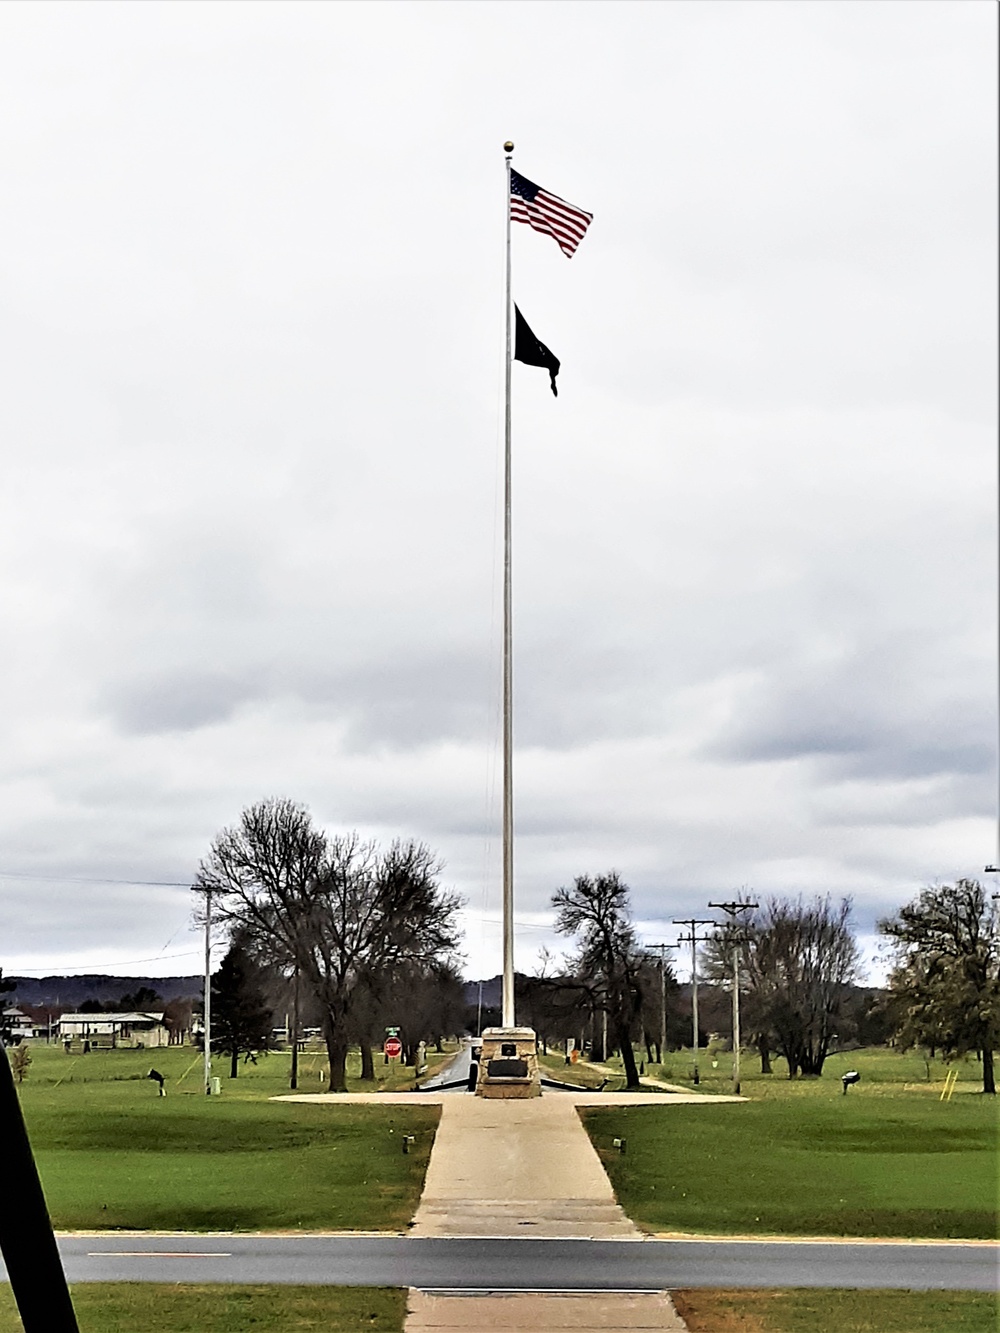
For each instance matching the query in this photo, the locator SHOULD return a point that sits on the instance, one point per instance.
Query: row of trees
(142, 1000)
(365, 934)
(799, 967)
(352, 936)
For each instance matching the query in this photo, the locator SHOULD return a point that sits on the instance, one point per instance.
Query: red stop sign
(393, 1047)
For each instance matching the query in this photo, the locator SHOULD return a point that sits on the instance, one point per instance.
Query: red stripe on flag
(554, 217)
(567, 240)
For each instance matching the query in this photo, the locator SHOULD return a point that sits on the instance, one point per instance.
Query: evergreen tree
(6, 1021)
(241, 1017)
(142, 1001)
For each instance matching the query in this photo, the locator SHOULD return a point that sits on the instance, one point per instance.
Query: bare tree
(658, 1012)
(426, 1001)
(758, 978)
(945, 982)
(342, 910)
(598, 913)
(797, 961)
(558, 1004)
(809, 957)
(177, 1015)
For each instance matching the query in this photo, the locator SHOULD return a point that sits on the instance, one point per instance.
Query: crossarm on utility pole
(733, 911)
(694, 939)
(663, 993)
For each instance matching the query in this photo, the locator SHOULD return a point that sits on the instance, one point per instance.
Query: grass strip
(846, 1166)
(234, 1167)
(161, 1307)
(833, 1310)
(182, 1066)
(113, 1154)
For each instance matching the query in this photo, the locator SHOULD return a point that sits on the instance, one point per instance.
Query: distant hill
(70, 992)
(492, 992)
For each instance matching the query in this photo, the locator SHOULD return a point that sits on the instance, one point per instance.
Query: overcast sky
(251, 259)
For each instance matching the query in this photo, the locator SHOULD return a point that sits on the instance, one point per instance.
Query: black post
(294, 1080)
(27, 1241)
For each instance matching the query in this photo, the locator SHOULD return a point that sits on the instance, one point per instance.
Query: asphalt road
(525, 1265)
(454, 1069)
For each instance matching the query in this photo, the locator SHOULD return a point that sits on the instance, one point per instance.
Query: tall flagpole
(508, 730)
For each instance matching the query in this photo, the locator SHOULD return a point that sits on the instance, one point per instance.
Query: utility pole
(208, 991)
(663, 993)
(694, 939)
(733, 911)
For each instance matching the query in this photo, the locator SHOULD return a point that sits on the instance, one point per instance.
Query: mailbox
(508, 1064)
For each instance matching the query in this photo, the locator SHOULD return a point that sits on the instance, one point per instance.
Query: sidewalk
(525, 1312)
(525, 1169)
(517, 1168)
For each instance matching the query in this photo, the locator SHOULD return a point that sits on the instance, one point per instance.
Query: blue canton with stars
(521, 185)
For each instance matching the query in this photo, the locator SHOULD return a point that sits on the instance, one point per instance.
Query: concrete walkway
(524, 1312)
(435, 1097)
(517, 1168)
(525, 1169)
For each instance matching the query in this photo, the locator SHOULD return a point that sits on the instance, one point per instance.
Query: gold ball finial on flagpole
(508, 146)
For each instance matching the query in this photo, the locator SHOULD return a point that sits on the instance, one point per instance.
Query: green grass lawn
(831, 1310)
(159, 1307)
(799, 1158)
(269, 1077)
(888, 1070)
(124, 1307)
(113, 1154)
(583, 1074)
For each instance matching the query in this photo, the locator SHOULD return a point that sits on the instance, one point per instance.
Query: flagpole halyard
(508, 729)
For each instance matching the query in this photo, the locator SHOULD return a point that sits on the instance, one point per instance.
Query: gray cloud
(877, 712)
(176, 702)
(250, 390)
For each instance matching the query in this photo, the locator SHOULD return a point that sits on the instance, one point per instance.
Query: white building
(19, 1023)
(115, 1029)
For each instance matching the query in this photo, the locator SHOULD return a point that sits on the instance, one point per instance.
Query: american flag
(547, 213)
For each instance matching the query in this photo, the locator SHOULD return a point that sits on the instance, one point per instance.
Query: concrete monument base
(508, 1064)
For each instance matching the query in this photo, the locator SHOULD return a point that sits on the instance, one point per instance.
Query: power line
(497, 921)
(81, 879)
(117, 962)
